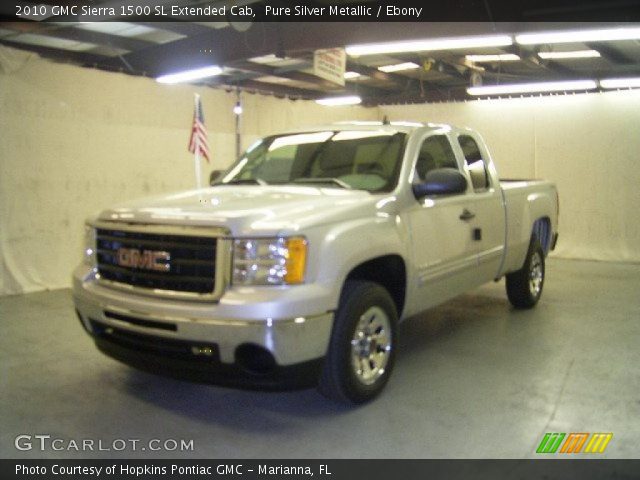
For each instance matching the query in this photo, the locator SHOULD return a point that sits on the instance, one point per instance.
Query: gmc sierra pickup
(295, 267)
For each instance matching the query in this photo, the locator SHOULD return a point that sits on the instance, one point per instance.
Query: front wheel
(524, 287)
(363, 342)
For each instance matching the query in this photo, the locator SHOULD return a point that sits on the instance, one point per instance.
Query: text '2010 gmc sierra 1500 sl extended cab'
(295, 267)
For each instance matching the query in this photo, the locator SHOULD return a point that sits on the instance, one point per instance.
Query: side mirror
(441, 181)
(214, 175)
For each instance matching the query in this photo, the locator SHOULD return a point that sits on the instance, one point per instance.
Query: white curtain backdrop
(74, 141)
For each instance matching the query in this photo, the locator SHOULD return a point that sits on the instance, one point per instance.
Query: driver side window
(435, 152)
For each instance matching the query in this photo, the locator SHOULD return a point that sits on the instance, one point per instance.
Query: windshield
(364, 160)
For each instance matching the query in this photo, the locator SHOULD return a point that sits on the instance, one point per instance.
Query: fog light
(202, 351)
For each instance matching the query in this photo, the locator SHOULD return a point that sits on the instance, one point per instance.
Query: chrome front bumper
(286, 323)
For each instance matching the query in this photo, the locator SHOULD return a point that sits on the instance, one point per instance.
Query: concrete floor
(474, 379)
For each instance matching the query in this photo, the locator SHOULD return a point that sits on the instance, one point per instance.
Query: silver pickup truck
(296, 265)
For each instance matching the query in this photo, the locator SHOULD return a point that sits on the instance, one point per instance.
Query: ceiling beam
(500, 75)
(188, 29)
(77, 34)
(301, 65)
(417, 95)
(66, 56)
(321, 83)
(389, 79)
(450, 70)
(610, 53)
(280, 91)
(268, 89)
(549, 65)
(324, 86)
(530, 57)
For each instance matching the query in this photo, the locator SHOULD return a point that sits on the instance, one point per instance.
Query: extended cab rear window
(475, 163)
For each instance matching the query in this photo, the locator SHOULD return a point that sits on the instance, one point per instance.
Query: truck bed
(526, 201)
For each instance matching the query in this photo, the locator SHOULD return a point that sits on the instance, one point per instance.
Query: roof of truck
(399, 126)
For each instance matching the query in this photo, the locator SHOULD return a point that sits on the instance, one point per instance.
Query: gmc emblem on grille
(145, 259)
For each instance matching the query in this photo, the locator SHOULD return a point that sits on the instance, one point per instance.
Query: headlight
(269, 261)
(89, 246)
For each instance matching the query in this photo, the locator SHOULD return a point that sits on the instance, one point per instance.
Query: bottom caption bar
(585, 469)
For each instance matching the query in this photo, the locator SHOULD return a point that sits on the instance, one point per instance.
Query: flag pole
(197, 151)
(198, 167)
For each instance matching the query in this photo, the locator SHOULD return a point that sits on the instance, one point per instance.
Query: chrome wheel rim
(371, 345)
(535, 274)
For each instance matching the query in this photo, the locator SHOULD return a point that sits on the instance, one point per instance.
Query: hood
(249, 209)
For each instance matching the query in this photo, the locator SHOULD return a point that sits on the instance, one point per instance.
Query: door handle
(466, 215)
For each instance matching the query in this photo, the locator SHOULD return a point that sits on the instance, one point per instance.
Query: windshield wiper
(245, 181)
(335, 181)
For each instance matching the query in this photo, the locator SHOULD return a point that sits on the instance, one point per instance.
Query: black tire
(524, 287)
(341, 379)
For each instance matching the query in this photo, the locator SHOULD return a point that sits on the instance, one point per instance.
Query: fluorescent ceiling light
(190, 75)
(336, 101)
(503, 57)
(569, 55)
(533, 87)
(620, 82)
(430, 45)
(398, 67)
(599, 35)
(351, 75)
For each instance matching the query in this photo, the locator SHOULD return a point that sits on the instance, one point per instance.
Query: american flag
(198, 142)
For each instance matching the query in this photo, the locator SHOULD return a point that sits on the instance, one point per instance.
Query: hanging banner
(330, 64)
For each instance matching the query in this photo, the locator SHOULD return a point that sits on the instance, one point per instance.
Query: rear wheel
(524, 287)
(362, 348)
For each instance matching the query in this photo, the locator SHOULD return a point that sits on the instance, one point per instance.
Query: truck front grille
(178, 263)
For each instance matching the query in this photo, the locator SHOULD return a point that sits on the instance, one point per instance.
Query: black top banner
(321, 469)
(322, 11)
